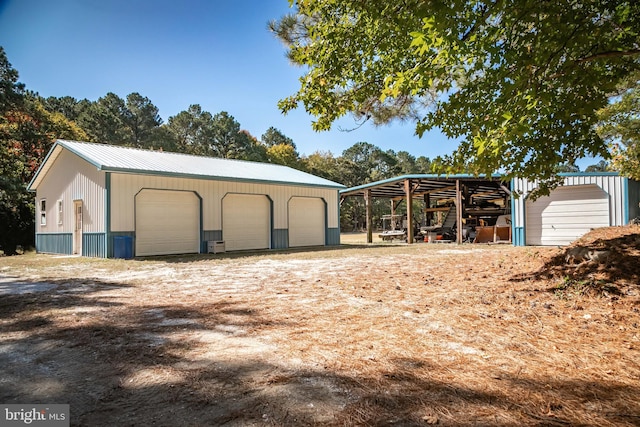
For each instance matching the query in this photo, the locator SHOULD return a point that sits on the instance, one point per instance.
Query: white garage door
(246, 222)
(167, 222)
(306, 221)
(566, 214)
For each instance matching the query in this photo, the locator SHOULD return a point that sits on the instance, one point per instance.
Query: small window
(43, 212)
(59, 212)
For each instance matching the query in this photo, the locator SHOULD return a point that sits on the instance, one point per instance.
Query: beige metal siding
(306, 221)
(71, 178)
(125, 186)
(167, 222)
(566, 214)
(246, 222)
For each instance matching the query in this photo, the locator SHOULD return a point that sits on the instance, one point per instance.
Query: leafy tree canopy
(105, 120)
(601, 166)
(283, 154)
(370, 163)
(27, 132)
(620, 126)
(141, 117)
(192, 130)
(274, 136)
(10, 89)
(518, 82)
(227, 139)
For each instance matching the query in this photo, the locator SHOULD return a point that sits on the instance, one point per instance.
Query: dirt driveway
(391, 334)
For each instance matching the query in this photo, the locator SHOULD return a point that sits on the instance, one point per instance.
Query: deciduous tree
(27, 131)
(518, 82)
(601, 166)
(620, 126)
(283, 154)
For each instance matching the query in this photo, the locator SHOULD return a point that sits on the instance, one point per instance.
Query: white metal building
(585, 201)
(90, 198)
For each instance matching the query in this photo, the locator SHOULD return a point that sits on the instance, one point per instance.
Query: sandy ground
(357, 335)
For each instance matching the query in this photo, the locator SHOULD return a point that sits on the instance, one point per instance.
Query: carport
(467, 192)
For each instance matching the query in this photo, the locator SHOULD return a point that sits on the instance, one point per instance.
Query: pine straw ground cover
(360, 335)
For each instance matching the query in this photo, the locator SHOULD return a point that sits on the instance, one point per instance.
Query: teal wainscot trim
(333, 236)
(280, 238)
(94, 244)
(54, 243)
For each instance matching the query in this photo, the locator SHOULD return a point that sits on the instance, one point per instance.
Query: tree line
(30, 124)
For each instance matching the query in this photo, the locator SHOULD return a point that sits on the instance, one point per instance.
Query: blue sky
(218, 54)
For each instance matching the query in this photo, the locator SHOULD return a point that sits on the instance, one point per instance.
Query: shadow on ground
(208, 364)
(257, 253)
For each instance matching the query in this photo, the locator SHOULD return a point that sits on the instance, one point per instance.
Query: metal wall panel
(633, 191)
(333, 236)
(69, 178)
(612, 184)
(54, 243)
(93, 245)
(280, 239)
(125, 186)
(72, 178)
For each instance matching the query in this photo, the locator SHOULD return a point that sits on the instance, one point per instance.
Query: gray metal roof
(438, 187)
(132, 160)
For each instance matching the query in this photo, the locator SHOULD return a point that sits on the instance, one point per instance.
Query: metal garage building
(585, 201)
(91, 196)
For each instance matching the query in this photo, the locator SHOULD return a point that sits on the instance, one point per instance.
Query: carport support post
(427, 205)
(459, 209)
(367, 205)
(407, 190)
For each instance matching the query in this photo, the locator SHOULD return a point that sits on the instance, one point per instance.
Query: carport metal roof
(460, 188)
(436, 186)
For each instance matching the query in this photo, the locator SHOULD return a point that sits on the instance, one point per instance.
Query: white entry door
(77, 227)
